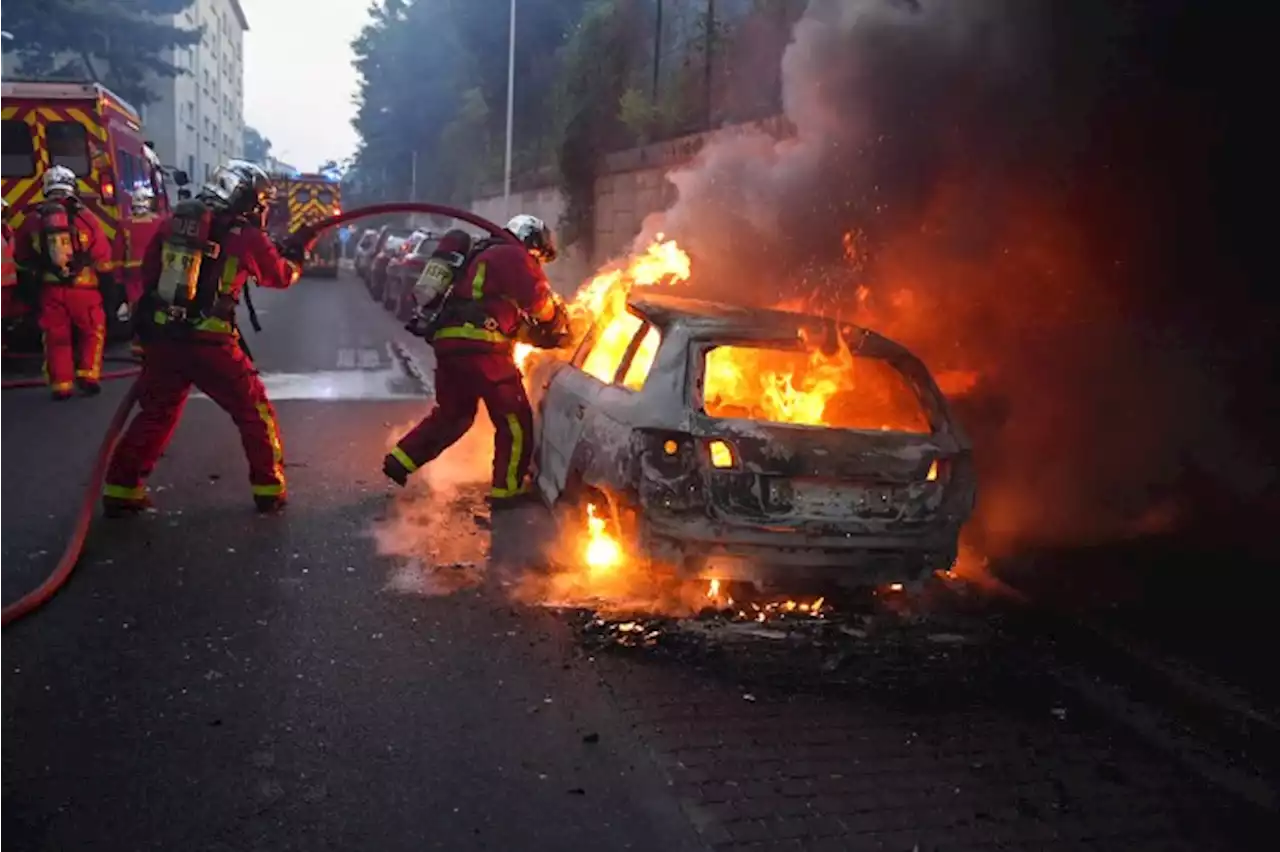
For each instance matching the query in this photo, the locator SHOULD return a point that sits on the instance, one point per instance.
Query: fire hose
(298, 241)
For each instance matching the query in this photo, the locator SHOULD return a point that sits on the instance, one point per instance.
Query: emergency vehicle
(99, 136)
(300, 200)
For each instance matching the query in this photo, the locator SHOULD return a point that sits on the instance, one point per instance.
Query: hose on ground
(39, 382)
(40, 595)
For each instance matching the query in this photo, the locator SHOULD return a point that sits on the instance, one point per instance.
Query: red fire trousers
(462, 380)
(75, 332)
(220, 370)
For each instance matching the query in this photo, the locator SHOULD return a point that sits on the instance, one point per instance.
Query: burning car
(754, 445)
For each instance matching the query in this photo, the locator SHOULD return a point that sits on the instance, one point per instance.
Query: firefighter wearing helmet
(194, 272)
(476, 302)
(63, 260)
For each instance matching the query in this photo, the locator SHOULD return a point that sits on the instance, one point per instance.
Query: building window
(191, 166)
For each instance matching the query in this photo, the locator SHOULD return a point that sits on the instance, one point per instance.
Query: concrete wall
(632, 184)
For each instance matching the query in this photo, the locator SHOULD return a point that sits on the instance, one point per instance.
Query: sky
(298, 79)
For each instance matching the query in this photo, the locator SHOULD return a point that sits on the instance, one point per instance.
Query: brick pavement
(907, 745)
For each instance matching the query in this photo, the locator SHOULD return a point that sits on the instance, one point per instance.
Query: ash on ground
(901, 639)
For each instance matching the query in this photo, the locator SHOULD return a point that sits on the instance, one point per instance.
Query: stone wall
(632, 185)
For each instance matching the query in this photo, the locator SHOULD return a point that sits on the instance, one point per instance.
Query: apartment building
(198, 120)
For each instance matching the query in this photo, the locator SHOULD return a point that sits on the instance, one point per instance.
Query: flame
(600, 304)
(810, 388)
(602, 552)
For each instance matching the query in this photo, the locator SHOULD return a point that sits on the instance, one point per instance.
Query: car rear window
(426, 247)
(17, 151)
(797, 387)
(326, 197)
(68, 146)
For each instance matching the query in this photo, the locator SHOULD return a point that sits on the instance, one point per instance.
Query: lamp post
(8, 36)
(511, 86)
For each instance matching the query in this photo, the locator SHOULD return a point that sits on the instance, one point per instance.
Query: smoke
(430, 526)
(999, 176)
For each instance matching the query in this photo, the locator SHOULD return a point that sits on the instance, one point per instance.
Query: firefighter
(194, 271)
(63, 255)
(8, 268)
(477, 302)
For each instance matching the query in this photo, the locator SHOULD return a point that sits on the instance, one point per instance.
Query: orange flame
(602, 552)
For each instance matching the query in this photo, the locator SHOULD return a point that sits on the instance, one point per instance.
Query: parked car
(385, 233)
(363, 250)
(676, 410)
(403, 272)
(378, 267)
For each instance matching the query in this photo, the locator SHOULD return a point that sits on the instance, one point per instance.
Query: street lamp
(511, 87)
(8, 36)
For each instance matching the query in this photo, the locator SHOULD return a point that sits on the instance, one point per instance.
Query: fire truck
(300, 200)
(99, 136)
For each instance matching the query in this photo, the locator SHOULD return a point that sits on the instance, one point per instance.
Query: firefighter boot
(395, 470)
(270, 504)
(124, 507)
(89, 387)
(61, 395)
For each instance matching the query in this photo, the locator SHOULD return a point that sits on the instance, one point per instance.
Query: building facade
(197, 121)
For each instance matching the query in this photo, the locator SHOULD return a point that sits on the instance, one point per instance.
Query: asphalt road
(213, 680)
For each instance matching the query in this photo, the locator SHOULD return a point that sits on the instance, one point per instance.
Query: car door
(572, 398)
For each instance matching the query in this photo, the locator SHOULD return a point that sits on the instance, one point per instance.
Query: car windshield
(778, 383)
(426, 247)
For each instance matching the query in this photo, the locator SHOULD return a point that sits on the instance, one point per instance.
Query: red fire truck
(99, 136)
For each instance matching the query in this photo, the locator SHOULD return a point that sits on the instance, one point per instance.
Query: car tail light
(721, 455)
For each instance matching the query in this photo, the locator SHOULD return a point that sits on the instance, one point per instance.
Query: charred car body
(677, 410)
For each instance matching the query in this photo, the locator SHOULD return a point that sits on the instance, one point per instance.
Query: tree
(119, 43)
(257, 148)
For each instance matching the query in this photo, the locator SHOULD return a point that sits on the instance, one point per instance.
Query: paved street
(213, 680)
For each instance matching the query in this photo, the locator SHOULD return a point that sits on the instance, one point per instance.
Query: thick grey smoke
(966, 151)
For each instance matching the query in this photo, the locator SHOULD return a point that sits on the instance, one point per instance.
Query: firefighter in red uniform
(477, 302)
(8, 268)
(194, 271)
(62, 251)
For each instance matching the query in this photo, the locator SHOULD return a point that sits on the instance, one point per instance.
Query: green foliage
(433, 92)
(115, 42)
(257, 148)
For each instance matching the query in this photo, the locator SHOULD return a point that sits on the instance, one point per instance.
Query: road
(215, 680)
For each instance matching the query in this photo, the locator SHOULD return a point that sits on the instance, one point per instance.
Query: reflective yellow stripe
(268, 490)
(61, 387)
(215, 324)
(229, 270)
(401, 456)
(513, 463)
(277, 449)
(477, 283)
(470, 332)
(95, 359)
(124, 492)
(508, 492)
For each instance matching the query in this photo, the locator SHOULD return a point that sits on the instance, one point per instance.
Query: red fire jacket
(246, 252)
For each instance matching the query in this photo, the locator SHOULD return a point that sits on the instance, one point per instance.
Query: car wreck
(756, 445)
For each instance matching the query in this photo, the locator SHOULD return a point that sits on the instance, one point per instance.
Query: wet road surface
(216, 680)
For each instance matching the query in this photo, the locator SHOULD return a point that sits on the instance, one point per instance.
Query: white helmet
(142, 200)
(59, 180)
